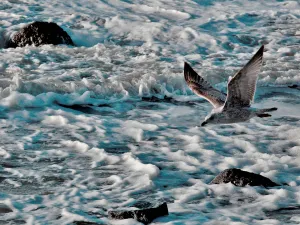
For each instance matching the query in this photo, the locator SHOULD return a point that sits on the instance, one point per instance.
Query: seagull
(236, 105)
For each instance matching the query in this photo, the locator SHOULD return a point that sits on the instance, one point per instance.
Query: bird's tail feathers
(269, 109)
(261, 115)
(262, 112)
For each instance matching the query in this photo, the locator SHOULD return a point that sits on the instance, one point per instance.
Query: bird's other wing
(202, 88)
(241, 88)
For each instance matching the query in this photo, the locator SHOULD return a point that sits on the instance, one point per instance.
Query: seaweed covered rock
(145, 216)
(39, 33)
(242, 178)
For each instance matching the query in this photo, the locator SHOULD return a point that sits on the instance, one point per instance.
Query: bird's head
(213, 118)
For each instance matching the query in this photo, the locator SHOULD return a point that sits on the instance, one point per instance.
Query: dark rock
(86, 108)
(4, 209)
(2, 179)
(8, 165)
(242, 178)
(169, 100)
(295, 86)
(145, 216)
(85, 223)
(39, 33)
(156, 99)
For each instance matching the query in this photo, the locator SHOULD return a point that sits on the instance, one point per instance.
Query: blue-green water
(62, 164)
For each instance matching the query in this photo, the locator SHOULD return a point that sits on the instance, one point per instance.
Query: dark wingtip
(262, 48)
(186, 64)
(189, 73)
(257, 57)
(187, 67)
(187, 70)
(260, 51)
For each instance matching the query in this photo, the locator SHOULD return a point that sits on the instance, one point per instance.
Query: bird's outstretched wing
(202, 88)
(241, 88)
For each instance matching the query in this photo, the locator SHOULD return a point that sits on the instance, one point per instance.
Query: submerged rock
(39, 33)
(242, 178)
(145, 216)
(285, 215)
(156, 99)
(295, 86)
(85, 223)
(5, 209)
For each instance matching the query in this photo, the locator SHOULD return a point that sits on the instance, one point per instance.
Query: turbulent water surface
(132, 138)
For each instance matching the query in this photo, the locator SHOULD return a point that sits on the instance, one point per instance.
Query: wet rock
(8, 165)
(242, 178)
(86, 108)
(85, 223)
(39, 33)
(156, 99)
(145, 216)
(4, 209)
(169, 100)
(295, 86)
(2, 179)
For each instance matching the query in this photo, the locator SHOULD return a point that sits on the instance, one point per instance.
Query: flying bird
(236, 105)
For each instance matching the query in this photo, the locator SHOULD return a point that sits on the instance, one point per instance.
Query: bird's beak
(203, 124)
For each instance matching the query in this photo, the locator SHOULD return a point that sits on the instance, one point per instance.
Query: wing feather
(202, 88)
(241, 88)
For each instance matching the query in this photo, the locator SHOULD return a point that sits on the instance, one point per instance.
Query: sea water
(110, 124)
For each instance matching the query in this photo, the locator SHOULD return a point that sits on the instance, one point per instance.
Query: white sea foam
(80, 133)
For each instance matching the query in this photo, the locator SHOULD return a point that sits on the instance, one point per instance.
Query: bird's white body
(233, 115)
